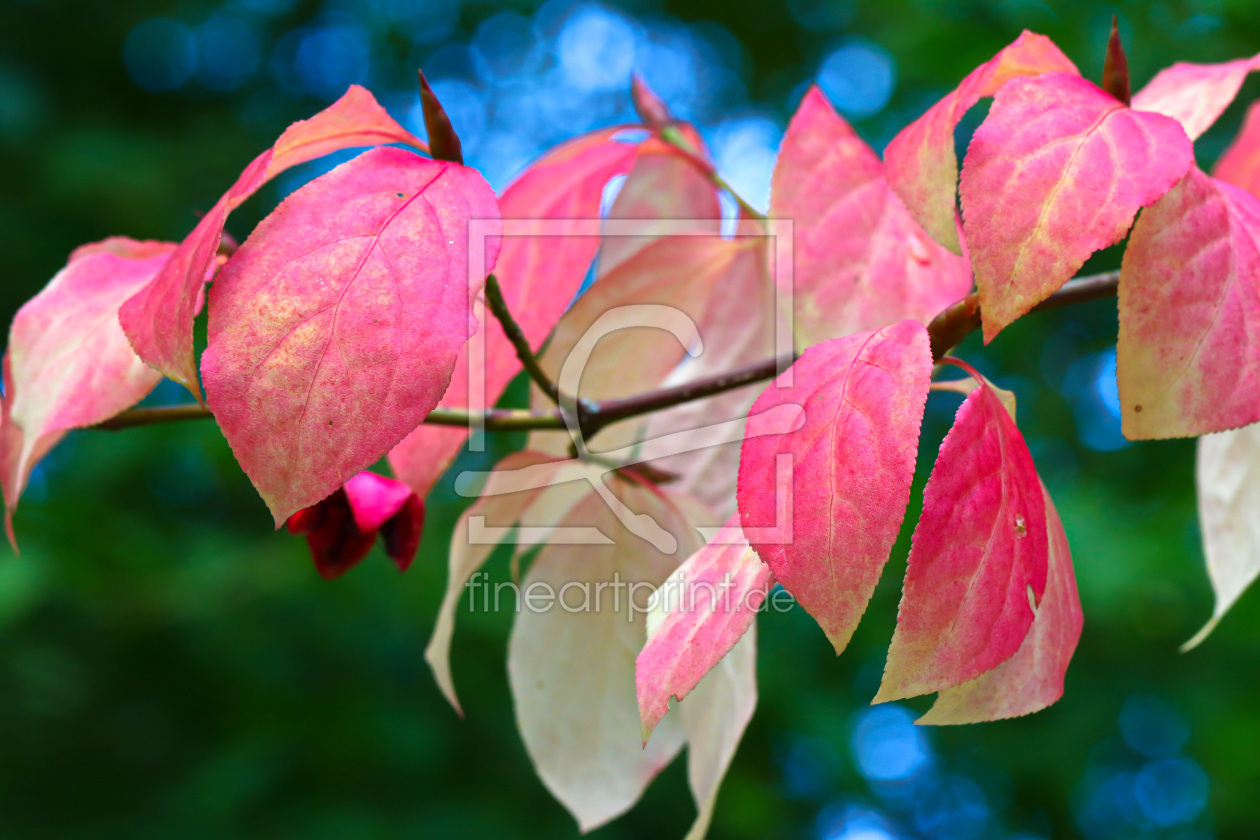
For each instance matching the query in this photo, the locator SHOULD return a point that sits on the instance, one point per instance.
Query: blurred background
(170, 667)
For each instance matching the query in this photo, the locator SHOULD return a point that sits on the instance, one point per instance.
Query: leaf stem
(671, 136)
(498, 306)
(946, 330)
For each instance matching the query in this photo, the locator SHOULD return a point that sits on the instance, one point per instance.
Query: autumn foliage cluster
(382, 309)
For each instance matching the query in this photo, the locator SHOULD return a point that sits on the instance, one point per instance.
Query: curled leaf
(68, 364)
(980, 548)
(859, 261)
(1032, 679)
(158, 319)
(922, 164)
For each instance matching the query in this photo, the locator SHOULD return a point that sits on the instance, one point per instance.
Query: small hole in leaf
(329, 422)
(1021, 529)
(400, 195)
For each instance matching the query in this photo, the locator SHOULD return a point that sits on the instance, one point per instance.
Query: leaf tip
(651, 710)
(8, 529)
(651, 109)
(1198, 638)
(839, 639)
(436, 655)
(1115, 78)
(443, 141)
(886, 693)
(448, 691)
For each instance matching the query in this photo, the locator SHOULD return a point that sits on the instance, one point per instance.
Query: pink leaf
(1056, 172)
(979, 550)
(860, 261)
(158, 320)
(704, 608)
(68, 363)
(851, 464)
(1195, 94)
(922, 164)
(334, 328)
(1187, 359)
(1032, 679)
(571, 667)
(539, 275)
(1240, 165)
(123, 246)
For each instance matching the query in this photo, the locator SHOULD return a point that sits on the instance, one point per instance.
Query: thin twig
(671, 136)
(496, 419)
(498, 306)
(961, 318)
(608, 412)
(946, 330)
(152, 416)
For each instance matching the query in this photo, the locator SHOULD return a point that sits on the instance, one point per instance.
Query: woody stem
(946, 330)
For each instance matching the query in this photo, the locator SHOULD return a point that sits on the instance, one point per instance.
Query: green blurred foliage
(169, 667)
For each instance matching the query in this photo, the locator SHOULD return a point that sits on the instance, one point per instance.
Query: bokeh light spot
(161, 54)
(1152, 727)
(858, 78)
(331, 58)
(596, 49)
(229, 52)
(887, 745)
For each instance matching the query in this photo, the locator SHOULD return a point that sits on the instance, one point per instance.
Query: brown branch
(496, 419)
(961, 318)
(946, 330)
(499, 308)
(152, 416)
(599, 415)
